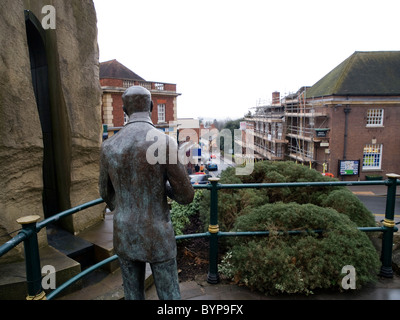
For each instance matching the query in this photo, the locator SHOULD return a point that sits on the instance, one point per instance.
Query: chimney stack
(276, 97)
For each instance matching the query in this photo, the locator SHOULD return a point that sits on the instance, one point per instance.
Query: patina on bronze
(136, 191)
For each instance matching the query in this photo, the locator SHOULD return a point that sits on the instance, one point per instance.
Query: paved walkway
(385, 289)
(102, 286)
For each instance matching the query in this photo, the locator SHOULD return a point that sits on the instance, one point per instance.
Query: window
(280, 131)
(145, 84)
(159, 86)
(128, 83)
(375, 118)
(161, 113)
(372, 157)
(273, 130)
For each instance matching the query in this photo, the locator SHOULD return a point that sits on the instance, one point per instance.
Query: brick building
(269, 129)
(115, 78)
(347, 123)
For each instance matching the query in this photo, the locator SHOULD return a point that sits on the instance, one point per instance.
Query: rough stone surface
(79, 71)
(75, 95)
(21, 147)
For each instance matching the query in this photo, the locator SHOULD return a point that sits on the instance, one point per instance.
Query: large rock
(75, 104)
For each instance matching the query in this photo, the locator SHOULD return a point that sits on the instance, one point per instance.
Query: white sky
(224, 55)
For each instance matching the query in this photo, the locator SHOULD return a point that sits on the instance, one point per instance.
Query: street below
(374, 203)
(377, 205)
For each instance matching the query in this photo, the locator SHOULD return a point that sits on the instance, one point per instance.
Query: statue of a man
(136, 191)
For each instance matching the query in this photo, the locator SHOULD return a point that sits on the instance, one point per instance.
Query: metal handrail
(44, 223)
(28, 234)
(79, 276)
(24, 234)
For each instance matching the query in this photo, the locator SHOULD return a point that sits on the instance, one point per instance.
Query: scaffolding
(306, 122)
(269, 130)
(294, 129)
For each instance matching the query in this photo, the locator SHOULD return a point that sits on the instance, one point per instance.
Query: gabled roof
(115, 70)
(363, 73)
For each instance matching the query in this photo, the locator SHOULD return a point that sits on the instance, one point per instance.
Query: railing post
(213, 276)
(388, 223)
(32, 258)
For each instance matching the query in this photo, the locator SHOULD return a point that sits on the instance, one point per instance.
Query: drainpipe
(346, 110)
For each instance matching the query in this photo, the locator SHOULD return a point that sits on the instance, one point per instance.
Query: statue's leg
(166, 280)
(133, 274)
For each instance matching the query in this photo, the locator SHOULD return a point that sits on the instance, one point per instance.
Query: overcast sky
(225, 55)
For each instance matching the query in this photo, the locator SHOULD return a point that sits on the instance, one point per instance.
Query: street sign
(349, 167)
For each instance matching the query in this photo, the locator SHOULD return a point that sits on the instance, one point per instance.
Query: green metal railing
(31, 226)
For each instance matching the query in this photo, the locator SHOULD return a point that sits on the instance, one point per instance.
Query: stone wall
(75, 99)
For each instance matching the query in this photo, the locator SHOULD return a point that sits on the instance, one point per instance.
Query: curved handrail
(12, 243)
(98, 265)
(79, 276)
(40, 225)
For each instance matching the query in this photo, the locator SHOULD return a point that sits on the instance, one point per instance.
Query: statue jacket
(139, 168)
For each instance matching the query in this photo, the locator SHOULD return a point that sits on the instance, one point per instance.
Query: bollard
(32, 258)
(213, 277)
(388, 223)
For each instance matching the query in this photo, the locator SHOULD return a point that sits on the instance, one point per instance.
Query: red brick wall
(169, 107)
(170, 87)
(118, 112)
(157, 97)
(391, 145)
(360, 135)
(111, 82)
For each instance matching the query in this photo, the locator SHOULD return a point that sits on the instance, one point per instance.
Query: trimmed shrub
(282, 263)
(180, 214)
(343, 201)
(296, 263)
(234, 203)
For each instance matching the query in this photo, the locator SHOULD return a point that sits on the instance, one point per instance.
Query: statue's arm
(179, 187)
(106, 188)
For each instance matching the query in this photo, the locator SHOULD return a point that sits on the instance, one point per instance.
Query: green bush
(343, 201)
(299, 263)
(236, 202)
(180, 214)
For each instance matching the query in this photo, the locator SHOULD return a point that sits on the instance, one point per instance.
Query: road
(220, 161)
(222, 165)
(377, 205)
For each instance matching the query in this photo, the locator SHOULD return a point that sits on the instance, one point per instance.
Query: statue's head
(137, 99)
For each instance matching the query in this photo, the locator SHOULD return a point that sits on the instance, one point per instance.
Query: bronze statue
(136, 189)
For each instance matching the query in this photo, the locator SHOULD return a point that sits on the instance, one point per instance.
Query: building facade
(115, 78)
(346, 124)
(269, 128)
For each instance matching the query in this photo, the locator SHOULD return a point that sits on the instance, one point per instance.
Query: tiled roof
(372, 73)
(115, 70)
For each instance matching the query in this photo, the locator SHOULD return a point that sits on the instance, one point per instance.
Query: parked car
(199, 178)
(211, 166)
